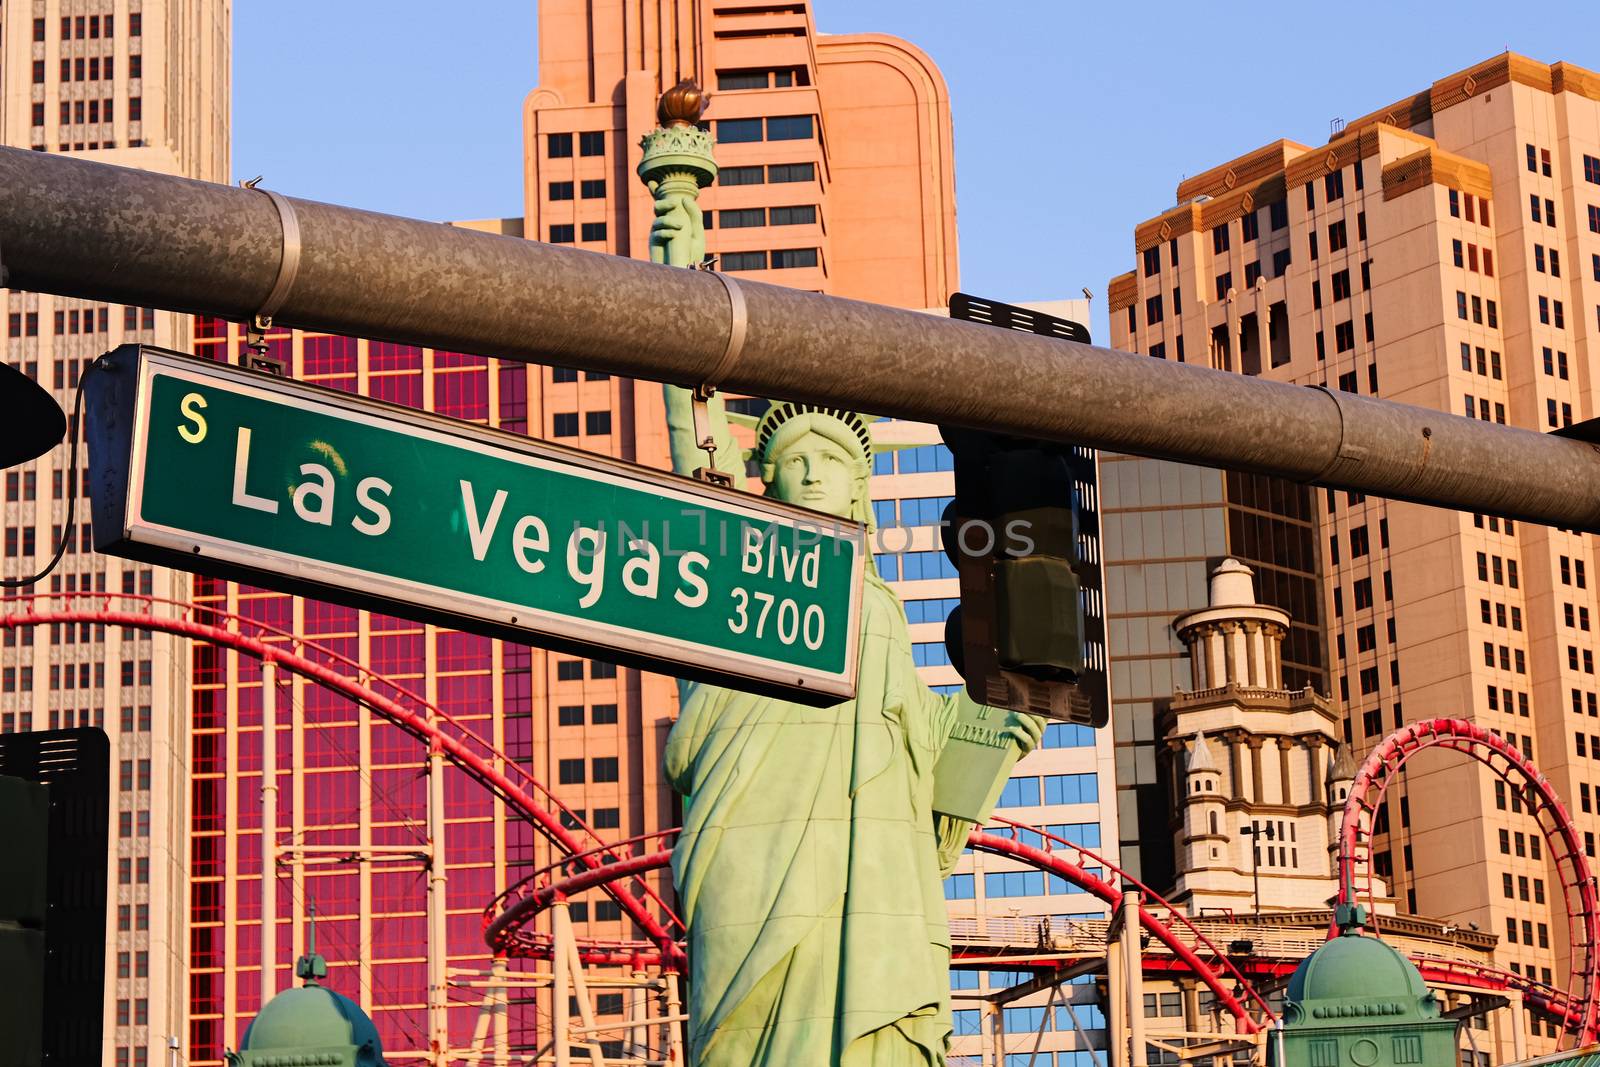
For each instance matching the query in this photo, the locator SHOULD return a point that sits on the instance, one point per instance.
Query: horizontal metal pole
(76, 228)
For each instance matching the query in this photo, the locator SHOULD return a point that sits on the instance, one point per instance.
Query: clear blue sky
(1073, 121)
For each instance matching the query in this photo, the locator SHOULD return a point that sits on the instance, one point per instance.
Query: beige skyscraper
(140, 83)
(1442, 251)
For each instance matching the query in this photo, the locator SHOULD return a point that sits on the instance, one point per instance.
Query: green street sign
(227, 472)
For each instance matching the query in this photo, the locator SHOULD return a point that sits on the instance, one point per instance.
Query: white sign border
(349, 407)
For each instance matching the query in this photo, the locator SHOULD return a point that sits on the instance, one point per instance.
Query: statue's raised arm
(684, 441)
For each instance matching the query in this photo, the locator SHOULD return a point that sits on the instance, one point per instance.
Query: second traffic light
(1019, 635)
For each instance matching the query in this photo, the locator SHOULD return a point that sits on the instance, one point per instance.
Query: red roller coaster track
(1576, 1008)
(589, 862)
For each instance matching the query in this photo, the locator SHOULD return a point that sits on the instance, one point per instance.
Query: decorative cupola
(1234, 640)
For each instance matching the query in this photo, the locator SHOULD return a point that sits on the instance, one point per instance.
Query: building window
(570, 771)
(1219, 239)
(1591, 170)
(785, 258)
(594, 231)
(1336, 236)
(1152, 310)
(1344, 337)
(740, 176)
(802, 215)
(1249, 226)
(563, 233)
(734, 261)
(558, 145)
(1224, 284)
(592, 143)
(792, 172)
(569, 715)
(1152, 261)
(597, 422)
(565, 424)
(560, 190)
(789, 128)
(743, 218)
(593, 189)
(604, 768)
(1278, 214)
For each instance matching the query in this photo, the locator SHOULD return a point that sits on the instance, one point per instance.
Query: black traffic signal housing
(1023, 534)
(1019, 636)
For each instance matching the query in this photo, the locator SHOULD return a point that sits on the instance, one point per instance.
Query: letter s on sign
(191, 406)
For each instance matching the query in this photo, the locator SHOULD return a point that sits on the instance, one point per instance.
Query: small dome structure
(1358, 1001)
(1356, 967)
(311, 1026)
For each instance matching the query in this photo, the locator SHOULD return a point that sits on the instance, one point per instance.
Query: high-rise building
(1443, 251)
(842, 158)
(140, 83)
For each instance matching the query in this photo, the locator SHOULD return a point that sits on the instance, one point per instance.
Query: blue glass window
(1068, 735)
(936, 609)
(1019, 793)
(1023, 1020)
(925, 566)
(963, 979)
(1014, 884)
(1071, 788)
(968, 1021)
(1086, 834)
(958, 887)
(923, 510)
(930, 653)
(888, 565)
(926, 458)
(883, 512)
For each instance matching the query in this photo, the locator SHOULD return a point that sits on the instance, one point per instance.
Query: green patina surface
(810, 864)
(1357, 1002)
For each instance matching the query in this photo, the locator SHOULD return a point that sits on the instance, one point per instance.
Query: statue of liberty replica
(810, 864)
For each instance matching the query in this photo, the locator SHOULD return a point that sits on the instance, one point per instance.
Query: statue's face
(816, 473)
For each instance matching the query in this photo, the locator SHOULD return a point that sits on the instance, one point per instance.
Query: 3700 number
(789, 622)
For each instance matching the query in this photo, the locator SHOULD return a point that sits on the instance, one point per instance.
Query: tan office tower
(837, 176)
(1443, 251)
(141, 83)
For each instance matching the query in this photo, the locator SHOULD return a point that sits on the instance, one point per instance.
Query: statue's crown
(784, 411)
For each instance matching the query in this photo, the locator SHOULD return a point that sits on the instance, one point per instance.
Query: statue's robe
(810, 850)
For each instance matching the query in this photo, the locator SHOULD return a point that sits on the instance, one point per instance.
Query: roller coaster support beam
(76, 228)
(1133, 982)
(269, 831)
(438, 990)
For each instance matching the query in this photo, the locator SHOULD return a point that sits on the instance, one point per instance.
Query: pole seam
(738, 324)
(288, 258)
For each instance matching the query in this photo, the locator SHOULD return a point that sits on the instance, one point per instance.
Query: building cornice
(1434, 166)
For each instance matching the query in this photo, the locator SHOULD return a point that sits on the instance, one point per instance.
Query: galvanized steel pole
(76, 228)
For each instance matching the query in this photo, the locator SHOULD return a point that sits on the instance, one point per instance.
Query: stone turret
(1203, 838)
(1247, 761)
(1234, 640)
